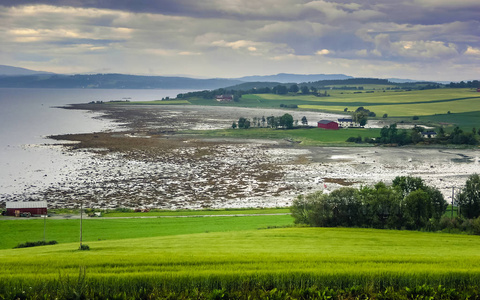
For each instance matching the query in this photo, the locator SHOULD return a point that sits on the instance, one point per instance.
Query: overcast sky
(417, 39)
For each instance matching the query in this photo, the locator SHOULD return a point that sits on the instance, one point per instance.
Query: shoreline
(143, 163)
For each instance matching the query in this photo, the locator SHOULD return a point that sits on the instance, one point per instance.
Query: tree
(280, 90)
(441, 132)
(305, 90)
(347, 207)
(241, 122)
(273, 122)
(408, 184)
(342, 207)
(304, 120)
(286, 121)
(234, 125)
(312, 209)
(360, 116)
(417, 209)
(385, 116)
(437, 202)
(293, 88)
(382, 206)
(416, 136)
(469, 198)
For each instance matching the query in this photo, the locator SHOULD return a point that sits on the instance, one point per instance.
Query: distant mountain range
(14, 77)
(15, 71)
(293, 78)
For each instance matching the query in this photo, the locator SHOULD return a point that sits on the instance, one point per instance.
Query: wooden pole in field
(81, 221)
(44, 227)
(453, 197)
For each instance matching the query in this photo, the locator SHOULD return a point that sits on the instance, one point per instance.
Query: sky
(416, 39)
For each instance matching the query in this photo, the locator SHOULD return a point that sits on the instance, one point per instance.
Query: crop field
(282, 258)
(443, 100)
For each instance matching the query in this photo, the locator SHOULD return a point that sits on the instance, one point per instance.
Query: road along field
(245, 260)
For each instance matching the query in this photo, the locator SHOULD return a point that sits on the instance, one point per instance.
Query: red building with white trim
(327, 124)
(35, 208)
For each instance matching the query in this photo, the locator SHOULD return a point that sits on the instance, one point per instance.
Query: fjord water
(28, 160)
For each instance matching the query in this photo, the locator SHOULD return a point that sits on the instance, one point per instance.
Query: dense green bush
(34, 244)
(407, 203)
(84, 247)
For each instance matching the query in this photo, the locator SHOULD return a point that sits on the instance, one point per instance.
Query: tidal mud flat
(149, 163)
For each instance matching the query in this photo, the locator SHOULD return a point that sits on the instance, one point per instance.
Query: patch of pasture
(14, 232)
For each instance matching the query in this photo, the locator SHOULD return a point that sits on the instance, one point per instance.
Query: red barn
(327, 124)
(34, 208)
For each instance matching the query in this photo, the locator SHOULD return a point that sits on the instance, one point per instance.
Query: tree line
(393, 136)
(286, 122)
(474, 84)
(406, 204)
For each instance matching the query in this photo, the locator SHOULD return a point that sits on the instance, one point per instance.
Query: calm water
(28, 115)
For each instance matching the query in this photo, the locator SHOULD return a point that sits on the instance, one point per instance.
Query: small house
(327, 124)
(27, 208)
(347, 122)
(224, 98)
(429, 134)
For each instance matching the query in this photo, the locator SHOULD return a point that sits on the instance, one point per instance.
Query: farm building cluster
(340, 123)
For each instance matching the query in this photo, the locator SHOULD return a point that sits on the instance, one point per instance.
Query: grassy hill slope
(288, 258)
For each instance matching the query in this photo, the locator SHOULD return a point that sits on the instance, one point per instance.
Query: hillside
(15, 71)
(296, 78)
(113, 81)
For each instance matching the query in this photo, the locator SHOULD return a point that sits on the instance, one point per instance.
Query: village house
(429, 134)
(347, 122)
(224, 98)
(327, 124)
(26, 208)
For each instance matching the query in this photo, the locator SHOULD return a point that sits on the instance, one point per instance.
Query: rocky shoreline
(147, 164)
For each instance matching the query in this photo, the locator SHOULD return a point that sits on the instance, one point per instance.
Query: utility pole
(44, 227)
(81, 221)
(453, 197)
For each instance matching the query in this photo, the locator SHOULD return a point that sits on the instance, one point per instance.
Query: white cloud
(323, 52)
(473, 51)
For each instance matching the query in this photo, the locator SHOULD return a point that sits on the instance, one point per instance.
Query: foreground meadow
(14, 232)
(241, 262)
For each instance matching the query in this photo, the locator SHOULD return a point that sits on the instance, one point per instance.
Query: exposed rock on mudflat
(149, 164)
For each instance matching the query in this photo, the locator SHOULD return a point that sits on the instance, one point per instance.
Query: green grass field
(14, 232)
(307, 136)
(203, 212)
(285, 258)
(393, 103)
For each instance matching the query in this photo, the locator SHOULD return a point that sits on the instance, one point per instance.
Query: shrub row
(34, 244)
